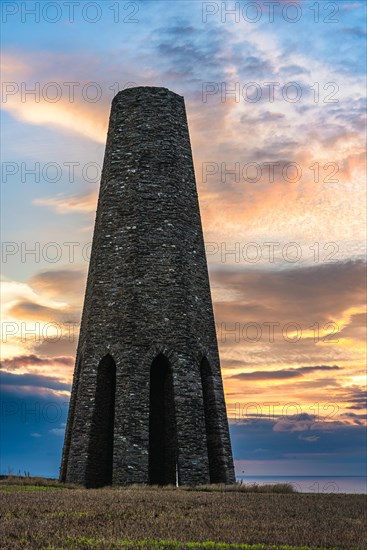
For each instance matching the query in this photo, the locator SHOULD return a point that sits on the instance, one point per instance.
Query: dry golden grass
(41, 515)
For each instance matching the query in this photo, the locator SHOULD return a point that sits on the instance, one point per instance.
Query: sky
(275, 99)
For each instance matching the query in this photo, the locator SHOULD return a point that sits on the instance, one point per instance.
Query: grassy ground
(40, 514)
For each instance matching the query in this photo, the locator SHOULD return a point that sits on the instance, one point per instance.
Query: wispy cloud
(22, 361)
(176, 49)
(282, 374)
(68, 113)
(84, 203)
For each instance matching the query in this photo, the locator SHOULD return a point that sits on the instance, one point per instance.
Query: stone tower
(147, 402)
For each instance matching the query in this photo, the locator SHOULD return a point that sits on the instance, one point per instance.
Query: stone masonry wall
(148, 294)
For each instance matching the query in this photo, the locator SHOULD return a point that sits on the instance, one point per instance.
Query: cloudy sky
(274, 94)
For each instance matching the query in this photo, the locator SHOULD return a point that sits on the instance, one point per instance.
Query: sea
(314, 484)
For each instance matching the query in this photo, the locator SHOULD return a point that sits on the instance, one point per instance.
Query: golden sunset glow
(281, 186)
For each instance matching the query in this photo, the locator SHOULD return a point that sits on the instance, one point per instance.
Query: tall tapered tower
(147, 403)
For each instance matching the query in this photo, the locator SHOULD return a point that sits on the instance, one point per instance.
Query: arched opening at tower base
(217, 472)
(162, 424)
(100, 449)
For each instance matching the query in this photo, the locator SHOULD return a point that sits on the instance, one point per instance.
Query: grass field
(38, 514)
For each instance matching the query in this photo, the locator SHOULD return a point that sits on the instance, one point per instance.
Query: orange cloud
(50, 106)
(64, 284)
(85, 203)
(60, 368)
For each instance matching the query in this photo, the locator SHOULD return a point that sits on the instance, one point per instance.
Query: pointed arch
(100, 450)
(162, 423)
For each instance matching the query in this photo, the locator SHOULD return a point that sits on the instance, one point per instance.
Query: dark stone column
(148, 295)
